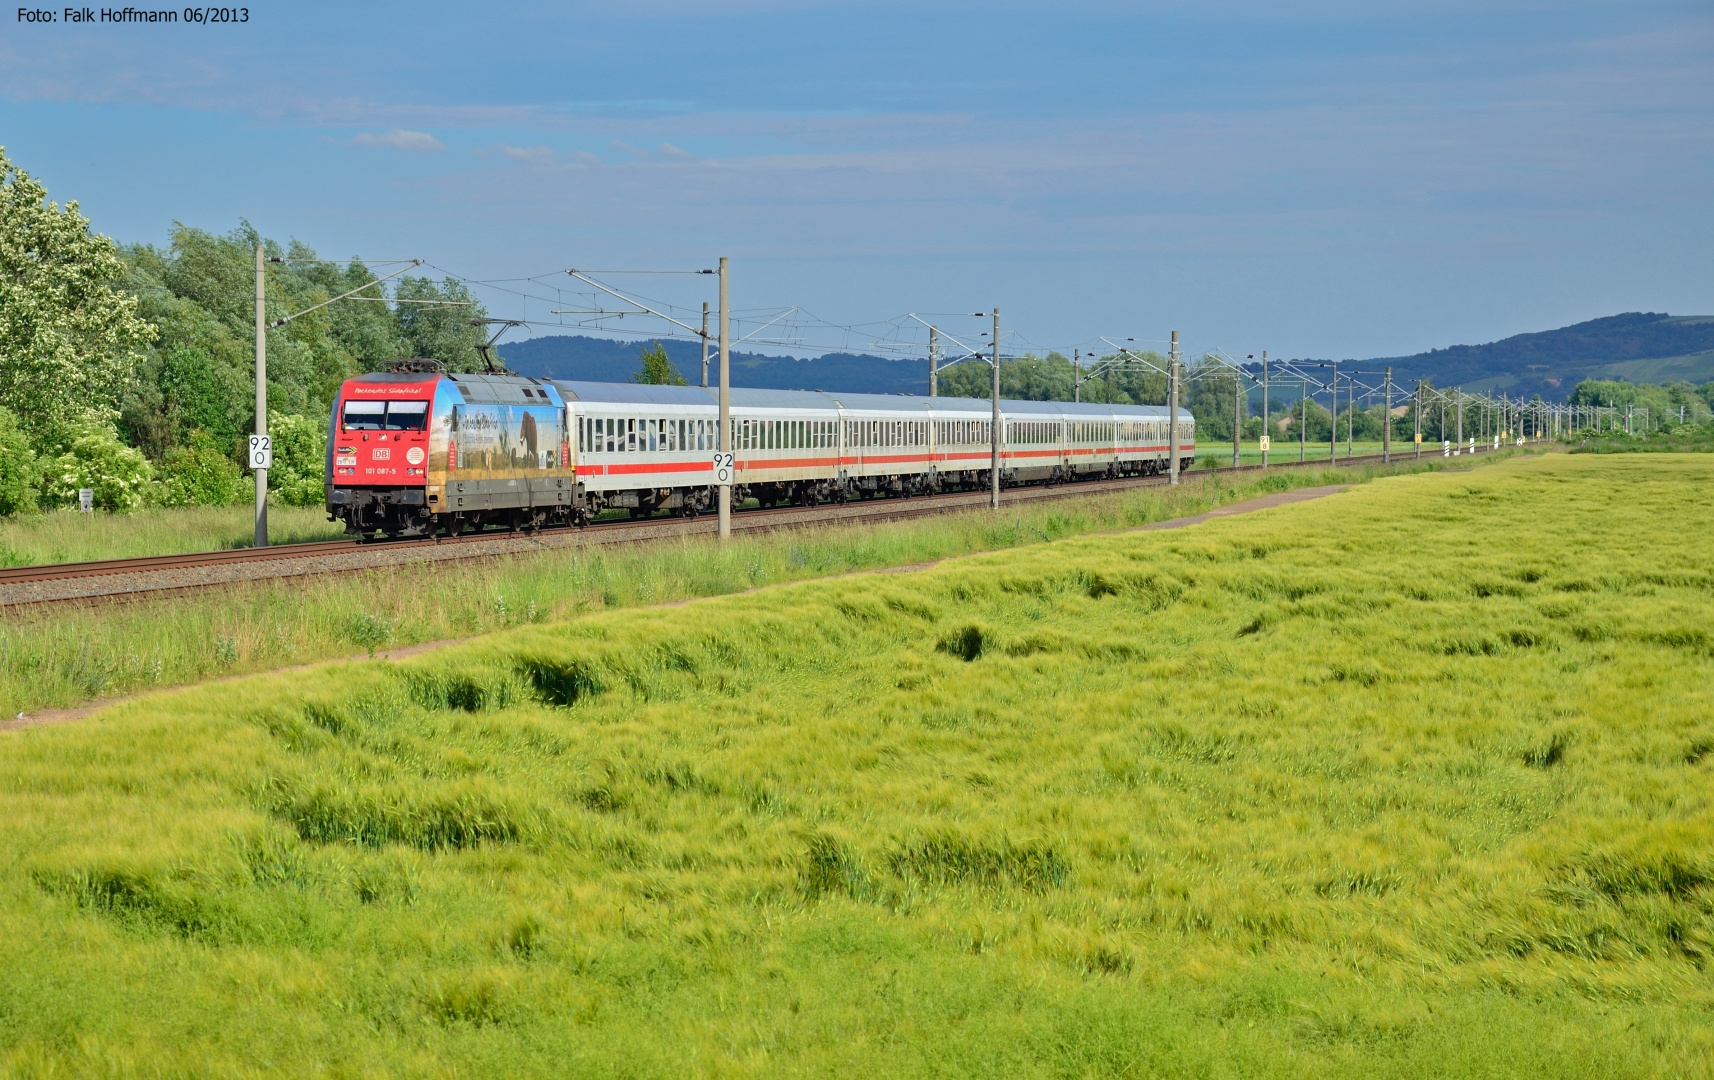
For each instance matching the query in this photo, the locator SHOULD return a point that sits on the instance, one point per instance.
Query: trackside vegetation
(64, 654)
(1409, 781)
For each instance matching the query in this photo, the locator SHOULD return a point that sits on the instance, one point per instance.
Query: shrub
(19, 471)
(300, 456)
(199, 474)
(96, 459)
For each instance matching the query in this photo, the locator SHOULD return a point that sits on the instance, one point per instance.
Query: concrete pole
(725, 399)
(1267, 418)
(261, 398)
(1303, 424)
(1351, 412)
(994, 468)
(1333, 421)
(1460, 411)
(1387, 422)
(934, 361)
(1416, 428)
(1076, 372)
(1237, 410)
(1172, 413)
(705, 343)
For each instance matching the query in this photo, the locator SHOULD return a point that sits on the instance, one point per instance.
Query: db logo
(415, 455)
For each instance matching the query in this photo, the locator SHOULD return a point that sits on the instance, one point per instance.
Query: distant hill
(604, 360)
(1638, 346)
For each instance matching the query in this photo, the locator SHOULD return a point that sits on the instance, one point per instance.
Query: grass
(1684, 439)
(60, 536)
(1218, 455)
(65, 654)
(1410, 782)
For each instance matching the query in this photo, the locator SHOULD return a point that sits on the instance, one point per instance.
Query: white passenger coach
(649, 447)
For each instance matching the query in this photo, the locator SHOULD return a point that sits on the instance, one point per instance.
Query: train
(419, 453)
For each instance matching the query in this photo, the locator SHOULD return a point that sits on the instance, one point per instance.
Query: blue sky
(1327, 179)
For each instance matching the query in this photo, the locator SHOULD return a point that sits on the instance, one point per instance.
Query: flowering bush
(300, 456)
(119, 475)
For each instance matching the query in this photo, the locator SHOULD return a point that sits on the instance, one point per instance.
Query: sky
(1329, 179)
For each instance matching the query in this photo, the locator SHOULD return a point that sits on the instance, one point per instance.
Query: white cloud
(668, 150)
(399, 139)
(534, 155)
(635, 151)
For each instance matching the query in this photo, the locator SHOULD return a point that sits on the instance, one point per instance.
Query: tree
(199, 292)
(444, 333)
(193, 395)
(1208, 394)
(68, 340)
(657, 369)
(1127, 381)
(19, 473)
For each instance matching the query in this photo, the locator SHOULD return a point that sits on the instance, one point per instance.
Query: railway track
(155, 574)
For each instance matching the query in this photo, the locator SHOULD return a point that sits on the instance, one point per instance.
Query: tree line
(130, 370)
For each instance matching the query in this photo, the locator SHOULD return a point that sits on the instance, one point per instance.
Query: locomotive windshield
(407, 415)
(386, 415)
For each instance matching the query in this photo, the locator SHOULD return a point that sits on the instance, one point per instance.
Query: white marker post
(261, 452)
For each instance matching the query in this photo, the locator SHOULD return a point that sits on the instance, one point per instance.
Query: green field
(1410, 781)
(66, 654)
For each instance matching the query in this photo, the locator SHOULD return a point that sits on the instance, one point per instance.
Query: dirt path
(1247, 506)
(61, 716)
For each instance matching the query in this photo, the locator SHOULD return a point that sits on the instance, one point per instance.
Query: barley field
(1413, 781)
(65, 654)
